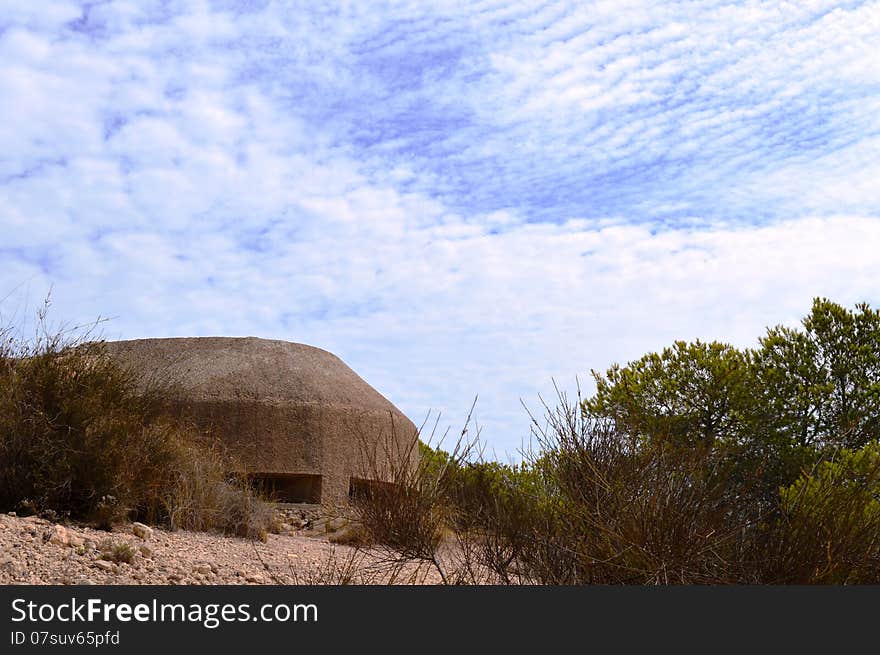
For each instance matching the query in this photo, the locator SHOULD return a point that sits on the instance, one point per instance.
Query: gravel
(34, 550)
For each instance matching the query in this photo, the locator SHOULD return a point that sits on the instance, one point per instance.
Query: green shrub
(829, 531)
(117, 551)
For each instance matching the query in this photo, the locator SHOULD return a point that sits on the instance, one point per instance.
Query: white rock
(141, 530)
(58, 535)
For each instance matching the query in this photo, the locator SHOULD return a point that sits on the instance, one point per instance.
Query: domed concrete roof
(230, 368)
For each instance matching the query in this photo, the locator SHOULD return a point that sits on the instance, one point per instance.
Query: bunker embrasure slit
(289, 487)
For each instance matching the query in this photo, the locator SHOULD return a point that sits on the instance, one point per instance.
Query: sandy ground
(36, 551)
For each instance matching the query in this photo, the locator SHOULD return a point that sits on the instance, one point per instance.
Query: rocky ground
(34, 550)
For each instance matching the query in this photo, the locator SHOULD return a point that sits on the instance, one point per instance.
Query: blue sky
(457, 198)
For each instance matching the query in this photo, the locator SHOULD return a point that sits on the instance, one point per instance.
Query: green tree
(690, 393)
(802, 394)
(820, 386)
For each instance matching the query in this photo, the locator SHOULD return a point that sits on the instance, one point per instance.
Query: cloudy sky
(457, 198)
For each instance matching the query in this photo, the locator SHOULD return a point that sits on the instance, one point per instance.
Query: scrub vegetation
(702, 463)
(79, 439)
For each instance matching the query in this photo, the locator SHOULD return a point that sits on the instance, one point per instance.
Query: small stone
(255, 578)
(146, 551)
(104, 565)
(141, 530)
(75, 541)
(202, 569)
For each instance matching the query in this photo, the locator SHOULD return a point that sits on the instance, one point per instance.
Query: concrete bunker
(296, 419)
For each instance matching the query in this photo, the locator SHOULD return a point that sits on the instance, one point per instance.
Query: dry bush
(407, 509)
(73, 438)
(198, 493)
(79, 437)
(334, 570)
(353, 534)
(595, 506)
(351, 566)
(599, 507)
(625, 512)
(591, 507)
